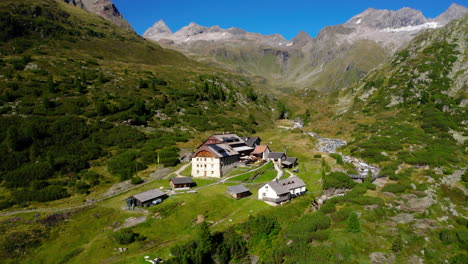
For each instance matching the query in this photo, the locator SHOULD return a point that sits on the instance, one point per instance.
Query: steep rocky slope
(338, 56)
(417, 101)
(103, 8)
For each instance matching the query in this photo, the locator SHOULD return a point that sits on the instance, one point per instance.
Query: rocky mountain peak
(453, 12)
(159, 28)
(301, 39)
(380, 19)
(104, 8)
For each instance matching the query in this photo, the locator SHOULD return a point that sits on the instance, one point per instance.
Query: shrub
(397, 244)
(337, 180)
(337, 157)
(126, 236)
(136, 180)
(125, 164)
(328, 207)
(307, 224)
(353, 223)
(343, 214)
(320, 235)
(395, 188)
(459, 259)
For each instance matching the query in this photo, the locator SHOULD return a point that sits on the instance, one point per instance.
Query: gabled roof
(218, 150)
(228, 138)
(289, 161)
(182, 180)
(285, 185)
(238, 189)
(224, 150)
(276, 155)
(251, 140)
(242, 148)
(149, 195)
(259, 149)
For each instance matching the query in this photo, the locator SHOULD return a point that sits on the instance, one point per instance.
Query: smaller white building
(279, 191)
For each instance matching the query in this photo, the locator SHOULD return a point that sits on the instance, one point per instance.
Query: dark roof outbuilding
(276, 155)
(182, 180)
(149, 195)
(238, 189)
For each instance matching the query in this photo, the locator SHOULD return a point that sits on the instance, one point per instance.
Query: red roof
(260, 149)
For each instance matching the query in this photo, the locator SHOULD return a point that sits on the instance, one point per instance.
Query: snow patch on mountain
(413, 28)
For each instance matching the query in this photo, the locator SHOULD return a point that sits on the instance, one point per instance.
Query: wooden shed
(289, 162)
(239, 191)
(148, 198)
(181, 182)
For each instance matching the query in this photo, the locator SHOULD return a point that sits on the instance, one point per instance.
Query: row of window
(212, 172)
(204, 165)
(201, 159)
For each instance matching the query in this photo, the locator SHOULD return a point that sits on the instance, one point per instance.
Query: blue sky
(286, 17)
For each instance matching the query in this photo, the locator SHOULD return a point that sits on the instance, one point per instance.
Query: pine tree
(353, 223)
(397, 244)
(204, 244)
(12, 138)
(50, 84)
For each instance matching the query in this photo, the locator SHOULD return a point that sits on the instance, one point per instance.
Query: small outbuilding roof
(238, 189)
(276, 155)
(289, 161)
(259, 149)
(149, 195)
(182, 180)
(251, 141)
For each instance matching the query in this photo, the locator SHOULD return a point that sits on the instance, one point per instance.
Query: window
(264, 194)
(198, 171)
(212, 172)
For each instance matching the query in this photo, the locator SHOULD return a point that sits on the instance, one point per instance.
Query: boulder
(403, 218)
(418, 205)
(381, 258)
(425, 224)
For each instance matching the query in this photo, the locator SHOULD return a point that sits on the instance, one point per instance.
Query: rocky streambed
(330, 145)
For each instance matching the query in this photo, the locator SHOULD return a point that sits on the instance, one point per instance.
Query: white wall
(298, 190)
(268, 191)
(206, 167)
(266, 153)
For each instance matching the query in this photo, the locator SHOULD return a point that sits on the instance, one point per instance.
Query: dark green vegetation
(77, 91)
(85, 104)
(416, 98)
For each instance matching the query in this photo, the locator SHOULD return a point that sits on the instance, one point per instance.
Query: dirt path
(120, 188)
(280, 172)
(113, 191)
(233, 176)
(181, 169)
(291, 174)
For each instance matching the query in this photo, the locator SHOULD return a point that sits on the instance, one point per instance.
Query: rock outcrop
(103, 8)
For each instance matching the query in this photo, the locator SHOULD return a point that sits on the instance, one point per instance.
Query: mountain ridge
(321, 63)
